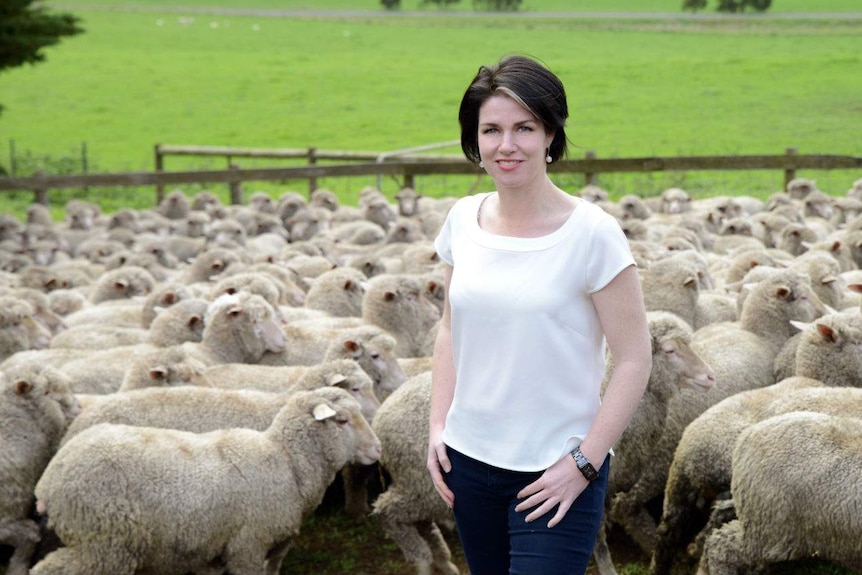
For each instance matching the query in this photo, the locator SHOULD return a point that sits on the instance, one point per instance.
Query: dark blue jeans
(498, 541)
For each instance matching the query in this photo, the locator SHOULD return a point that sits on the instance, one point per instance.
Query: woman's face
(512, 142)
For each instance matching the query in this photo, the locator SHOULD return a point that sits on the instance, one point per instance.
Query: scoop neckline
(519, 243)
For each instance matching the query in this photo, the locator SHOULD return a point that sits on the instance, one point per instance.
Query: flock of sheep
(180, 386)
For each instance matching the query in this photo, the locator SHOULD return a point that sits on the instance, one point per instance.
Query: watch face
(589, 472)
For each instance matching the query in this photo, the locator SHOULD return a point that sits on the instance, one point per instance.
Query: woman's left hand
(559, 485)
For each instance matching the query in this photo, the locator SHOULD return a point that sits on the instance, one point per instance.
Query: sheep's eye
(341, 420)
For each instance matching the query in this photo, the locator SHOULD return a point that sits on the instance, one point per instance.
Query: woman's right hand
(438, 463)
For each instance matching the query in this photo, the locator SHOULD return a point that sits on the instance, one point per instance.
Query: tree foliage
(26, 27)
(497, 5)
(731, 6)
(391, 4)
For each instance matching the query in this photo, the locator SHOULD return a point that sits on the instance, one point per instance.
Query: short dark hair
(529, 83)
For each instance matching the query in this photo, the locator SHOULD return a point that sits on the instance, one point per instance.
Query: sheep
(307, 222)
(824, 272)
(42, 312)
(343, 373)
(179, 323)
(410, 510)
(408, 201)
(122, 283)
(165, 367)
(238, 328)
(210, 264)
(830, 350)
(338, 292)
(701, 468)
(674, 367)
(175, 205)
(796, 492)
(163, 296)
(261, 284)
(96, 337)
(799, 188)
(18, 330)
(394, 302)
(34, 414)
(253, 489)
(742, 355)
(66, 301)
(374, 350)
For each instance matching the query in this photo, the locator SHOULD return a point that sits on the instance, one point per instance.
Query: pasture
(644, 87)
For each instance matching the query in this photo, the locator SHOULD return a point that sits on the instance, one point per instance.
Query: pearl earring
(548, 158)
(481, 164)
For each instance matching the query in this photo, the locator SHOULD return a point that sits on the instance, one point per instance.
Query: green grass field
(636, 87)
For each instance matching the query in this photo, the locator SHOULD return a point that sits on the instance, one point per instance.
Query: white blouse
(527, 344)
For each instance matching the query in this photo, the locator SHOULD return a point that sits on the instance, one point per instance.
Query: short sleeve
(443, 242)
(609, 254)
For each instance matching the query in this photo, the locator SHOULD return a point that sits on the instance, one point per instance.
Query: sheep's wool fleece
(527, 344)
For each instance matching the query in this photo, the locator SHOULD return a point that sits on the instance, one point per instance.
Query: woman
(538, 282)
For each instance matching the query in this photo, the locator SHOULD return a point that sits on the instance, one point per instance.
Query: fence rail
(405, 167)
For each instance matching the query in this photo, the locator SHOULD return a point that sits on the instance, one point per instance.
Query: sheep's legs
(441, 562)
(23, 535)
(602, 554)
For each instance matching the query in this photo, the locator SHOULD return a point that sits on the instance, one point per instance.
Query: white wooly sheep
(410, 509)
(122, 283)
(164, 367)
(179, 323)
(344, 373)
(395, 303)
(830, 349)
(94, 337)
(742, 356)
(701, 468)
(797, 493)
(681, 284)
(19, 331)
(238, 328)
(674, 367)
(338, 292)
(825, 274)
(252, 491)
(34, 413)
(163, 296)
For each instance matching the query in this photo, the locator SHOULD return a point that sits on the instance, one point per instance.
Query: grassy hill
(147, 73)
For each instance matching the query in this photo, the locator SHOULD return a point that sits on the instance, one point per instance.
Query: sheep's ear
(353, 347)
(855, 287)
(800, 325)
(194, 320)
(690, 282)
(827, 333)
(829, 280)
(235, 310)
(158, 373)
(323, 411)
(348, 285)
(336, 379)
(783, 293)
(389, 296)
(22, 387)
(121, 285)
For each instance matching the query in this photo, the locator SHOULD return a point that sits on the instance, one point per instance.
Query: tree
(391, 4)
(26, 27)
(693, 5)
(497, 5)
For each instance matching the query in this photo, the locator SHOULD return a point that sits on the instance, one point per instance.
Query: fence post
(589, 177)
(790, 169)
(235, 187)
(40, 191)
(312, 160)
(160, 167)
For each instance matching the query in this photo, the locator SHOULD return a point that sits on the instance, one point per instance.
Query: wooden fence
(407, 168)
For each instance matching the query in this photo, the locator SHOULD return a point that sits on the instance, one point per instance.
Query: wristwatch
(584, 465)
